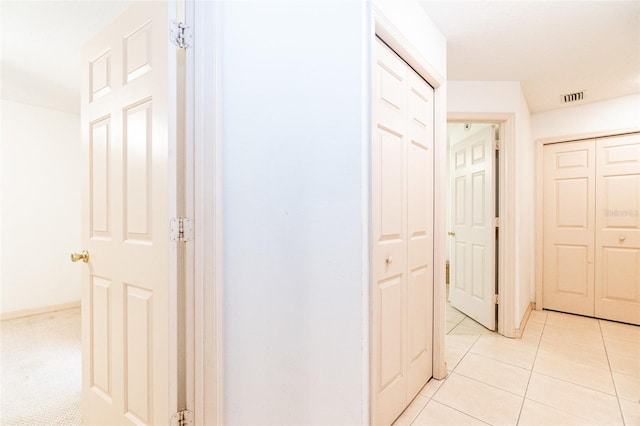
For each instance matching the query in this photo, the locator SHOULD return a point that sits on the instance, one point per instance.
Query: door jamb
(506, 236)
(385, 30)
(204, 313)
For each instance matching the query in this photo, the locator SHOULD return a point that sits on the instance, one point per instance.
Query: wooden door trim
(204, 256)
(506, 239)
(381, 27)
(539, 184)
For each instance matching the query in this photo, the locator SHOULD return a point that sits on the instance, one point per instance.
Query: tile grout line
(526, 390)
(615, 388)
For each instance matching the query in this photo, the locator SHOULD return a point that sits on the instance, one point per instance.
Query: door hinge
(496, 299)
(496, 222)
(181, 229)
(180, 34)
(182, 418)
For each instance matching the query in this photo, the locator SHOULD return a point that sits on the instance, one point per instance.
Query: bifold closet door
(402, 236)
(617, 282)
(569, 204)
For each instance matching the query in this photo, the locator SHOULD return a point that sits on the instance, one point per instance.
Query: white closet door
(402, 236)
(420, 235)
(617, 282)
(569, 203)
(389, 239)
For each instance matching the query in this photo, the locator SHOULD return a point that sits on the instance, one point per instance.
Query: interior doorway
(473, 226)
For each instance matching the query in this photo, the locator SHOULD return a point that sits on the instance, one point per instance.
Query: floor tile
(474, 324)
(469, 330)
(536, 414)
(573, 322)
(619, 331)
(591, 357)
(595, 378)
(628, 387)
(625, 364)
(452, 356)
(479, 400)
(411, 411)
(592, 405)
(448, 326)
(496, 373)
(460, 341)
(622, 347)
(631, 412)
(537, 317)
(533, 328)
(439, 414)
(431, 387)
(510, 351)
(589, 339)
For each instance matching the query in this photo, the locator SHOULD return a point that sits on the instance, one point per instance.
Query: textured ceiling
(553, 47)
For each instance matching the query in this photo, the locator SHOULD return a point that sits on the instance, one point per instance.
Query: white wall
(296, 83)
(293, 244)
(40, 209)
(507, 97)
(610, 115)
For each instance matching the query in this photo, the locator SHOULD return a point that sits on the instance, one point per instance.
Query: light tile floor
(566, 370)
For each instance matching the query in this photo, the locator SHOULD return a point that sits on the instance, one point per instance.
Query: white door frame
(385, 30)
(203, 187)
(539, 220)
(506, 203)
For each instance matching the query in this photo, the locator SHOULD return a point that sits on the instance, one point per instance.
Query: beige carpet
(40, 369)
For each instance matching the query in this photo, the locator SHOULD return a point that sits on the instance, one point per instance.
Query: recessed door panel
(100, 379)
(100, 145)
(573, 270)
(572, 201)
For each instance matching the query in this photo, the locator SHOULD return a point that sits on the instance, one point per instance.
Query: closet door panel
(617, 281)
(568, 234)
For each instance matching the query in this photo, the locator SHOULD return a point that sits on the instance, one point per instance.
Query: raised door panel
(617, 282)
(125, 321)
(568, 234)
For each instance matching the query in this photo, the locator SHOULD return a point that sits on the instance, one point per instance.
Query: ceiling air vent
(572, 97)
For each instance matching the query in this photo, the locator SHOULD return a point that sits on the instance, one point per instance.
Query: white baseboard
(36, 311)
(523, 322)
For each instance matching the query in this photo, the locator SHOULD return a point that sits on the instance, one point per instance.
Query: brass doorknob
(451, 234)
(84, 256)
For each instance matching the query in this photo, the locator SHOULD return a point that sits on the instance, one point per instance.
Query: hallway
(566, 370)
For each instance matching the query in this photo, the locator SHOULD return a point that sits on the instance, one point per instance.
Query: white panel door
(473, 277)
(389, 239)
(617, 281)
(402, 236)
(568, 234)
(125, 295)
(420, 235)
